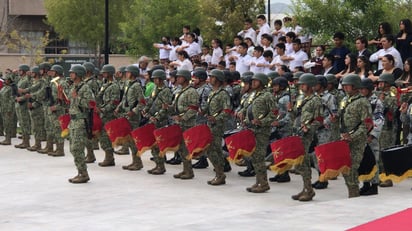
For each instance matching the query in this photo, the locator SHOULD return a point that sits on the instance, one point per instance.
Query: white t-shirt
(278, 62)
(164, 53)
(298, 58)
(288, 48)
(250, 33)
(217, 55)
(243, 63)
(193, 49)
(254, 62)
(172, 53)
(206, 58)
(392, 51)
(186, 64)
(281, 32)
(264, 29)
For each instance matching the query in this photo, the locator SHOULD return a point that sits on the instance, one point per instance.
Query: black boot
(366, 186)
(320, 185)
(373, 190)
(202, 163)
(176, 160)
(249, 172)
(283, 178)
(227, 167)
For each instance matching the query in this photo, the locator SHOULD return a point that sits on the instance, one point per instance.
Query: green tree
(83, 21)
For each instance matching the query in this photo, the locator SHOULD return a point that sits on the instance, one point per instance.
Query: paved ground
(35, 195)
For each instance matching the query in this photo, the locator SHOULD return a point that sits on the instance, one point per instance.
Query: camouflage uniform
(184, 106)
(283, 117)
(93, 85)
(154, 108)
(219, 107)
(37, 92)
(108, 98)
(7, 110)
(203, 92)
(132, 101)
(47, 127)
(353, 112)
(78, 110)
(406, 118)
(334, 127)
(22, 110)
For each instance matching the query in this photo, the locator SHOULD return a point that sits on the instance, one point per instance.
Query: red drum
(241, 144)
(168, 138)
(397, 162)
(118, 131)
(333, 158)
(144, 138)
(197, 139)
(287, 152)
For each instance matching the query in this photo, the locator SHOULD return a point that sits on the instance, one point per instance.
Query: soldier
(107, 99)
(332, 89)
(259, 117)
(185, 107)
(406, 114)
(91, 81)
(57, 107)
(157, 114)
(80, 97)
(353, 113)
(35, 96)
(387, 137)
(306, 117)
(22, 109)
(282, 122)
(131, 107)
(324, 132)
(122, 81)
(7, 108)
(44, 69)
(217, 111)
(203, 89)
(366, 90)
(246, 91)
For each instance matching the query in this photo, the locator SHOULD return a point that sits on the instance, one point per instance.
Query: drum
(168, 138)
(144, 138)
(397, 162)
(240, 144)
(367, 168)
(197, 139)
(227, 134)
(333, 158)
(118, 131)
(287, 152)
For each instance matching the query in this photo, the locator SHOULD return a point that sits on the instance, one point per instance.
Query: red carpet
(400, 221)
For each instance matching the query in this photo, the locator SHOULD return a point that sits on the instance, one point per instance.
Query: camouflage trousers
(183, 152)
(374, 145)
(104, 140)
(7, 122)
(48, 128)
(77, 143)
(214, 152)
(386, 140)
(37, 123)
(55, 128)
(23, 118)
(357, 147)
(304, 168)
(258, 156)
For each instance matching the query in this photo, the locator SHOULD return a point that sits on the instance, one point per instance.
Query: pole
(106, 31)
(269, 13)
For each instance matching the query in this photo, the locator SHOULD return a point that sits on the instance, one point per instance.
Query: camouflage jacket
(261, 106)
(80, 105)
(186, 104)
(378, 115)
(308, 113)
(218, 105)
(109, 99)
(154, 108)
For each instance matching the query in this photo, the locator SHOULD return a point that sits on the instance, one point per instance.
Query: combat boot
(160, 169)
(123, 151)
(202, 163)
(59, 150)
(308, 192)
(366, 186)
(108, 159)
(283, 178)
(386, 183)
(227, 167)
(176, 160)
(82, 177)
(90, 158)
(6, 141)
(187, 170)
(353, 191)
(136, 163)
(219, 178)
(262, 184)
(36, 146)
(372, 190)
(48, 148)
(25, 142)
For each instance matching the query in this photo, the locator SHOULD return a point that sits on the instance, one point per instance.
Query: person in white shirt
(263, 28)
(290, 36)
(298, 57)
(191, 47)
(250, 45)
(206, 57)
(199, 38)
(183, 61)
(243, 60)
(387, 48)
(185, 30)
(175, 43)
(248, 31)
(277, 32)
(278, 59)
(268, 56)
(164, 49)
(258, 63)
(217, 54)
(266, 42)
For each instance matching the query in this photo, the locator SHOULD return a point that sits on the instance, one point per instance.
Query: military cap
(387, 77)
(262, 78)
(184, 73)
(108, 68)
(79, 70)
(89, 66)
(58, 69)
(352, 79)
(133, 69)
(161, 74)
(218, 74)
(24, 67)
